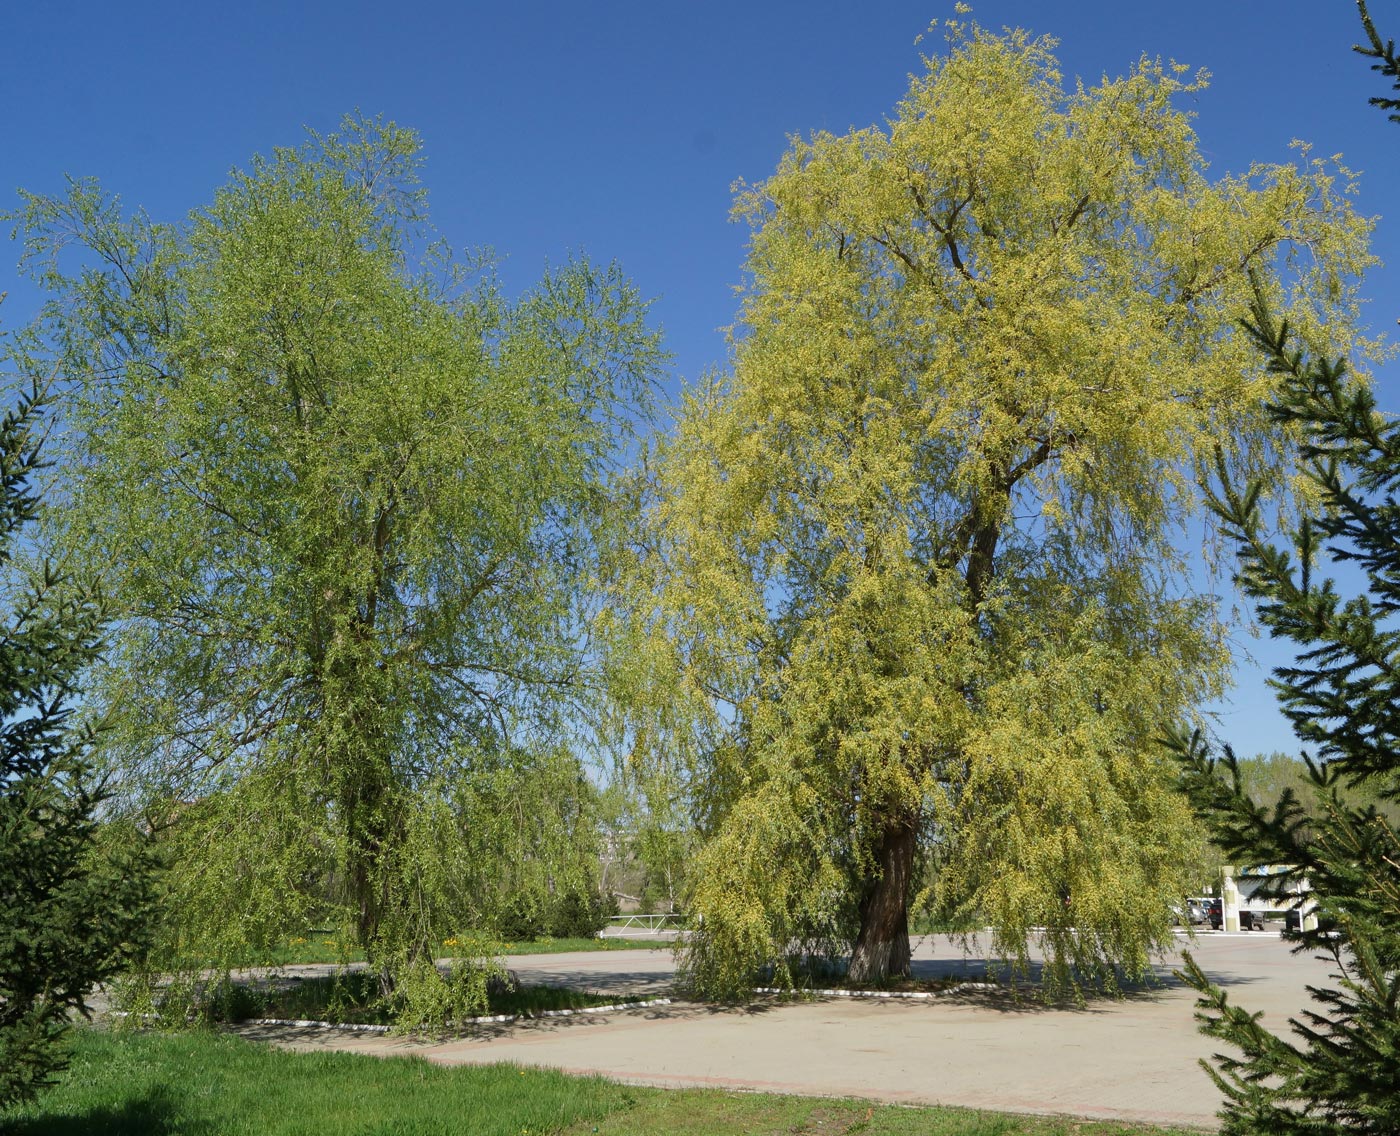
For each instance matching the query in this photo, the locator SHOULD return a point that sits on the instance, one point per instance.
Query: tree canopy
(1266, 778)
(913, 601)
(346, 497)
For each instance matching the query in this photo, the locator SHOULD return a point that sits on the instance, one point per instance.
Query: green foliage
(347, 499)
(1339, 1071)
(1266, 778)
(664, 855)
(533, 830)
(76, 893)
(579, 915)
(426, 995)
(910, 606)
(1388, 65)
(648, 844)
(562, 915)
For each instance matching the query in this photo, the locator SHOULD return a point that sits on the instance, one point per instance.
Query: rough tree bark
(882, 947)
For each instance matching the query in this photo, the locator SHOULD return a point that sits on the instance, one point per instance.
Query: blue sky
(617, 129)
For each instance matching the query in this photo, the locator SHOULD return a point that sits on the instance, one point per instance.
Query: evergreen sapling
(1339, 1071)
(73, 901)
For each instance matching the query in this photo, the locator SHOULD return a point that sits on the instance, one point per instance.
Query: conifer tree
(1339, 1071)
(72, 908)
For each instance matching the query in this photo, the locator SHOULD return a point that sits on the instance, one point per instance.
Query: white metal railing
(645, 924)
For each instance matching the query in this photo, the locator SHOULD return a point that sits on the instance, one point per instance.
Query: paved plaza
(1132, 1059)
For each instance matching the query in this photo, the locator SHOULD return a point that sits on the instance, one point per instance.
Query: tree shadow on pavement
(996, 989)
(323, 1037)
(643, 982)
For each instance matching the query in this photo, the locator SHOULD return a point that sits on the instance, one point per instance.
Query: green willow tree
(911, 609)
(346, 498)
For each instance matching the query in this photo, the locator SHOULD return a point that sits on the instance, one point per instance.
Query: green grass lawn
(562, 946)
(313, 947)
(204, 1084)
(207, 1084)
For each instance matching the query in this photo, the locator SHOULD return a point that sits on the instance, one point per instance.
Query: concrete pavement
(1130, 1059)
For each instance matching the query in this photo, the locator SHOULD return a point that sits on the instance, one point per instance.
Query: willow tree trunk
(364, 846)
(882, 947)
(373, 825)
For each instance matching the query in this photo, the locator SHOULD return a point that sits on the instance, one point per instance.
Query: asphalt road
(1134, 1058)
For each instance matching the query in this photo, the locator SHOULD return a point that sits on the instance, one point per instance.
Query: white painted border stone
(306, 1023)
(911, 994)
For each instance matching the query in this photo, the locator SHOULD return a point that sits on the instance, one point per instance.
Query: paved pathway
(1130, 1059)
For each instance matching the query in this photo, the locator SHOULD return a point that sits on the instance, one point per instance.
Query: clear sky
(617, 128)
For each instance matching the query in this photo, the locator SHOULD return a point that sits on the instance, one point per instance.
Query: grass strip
(200, 1083)
(570, 946)
(713, 1112)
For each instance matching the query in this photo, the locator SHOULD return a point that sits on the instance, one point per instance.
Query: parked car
(1205, 911)
(1252, 920)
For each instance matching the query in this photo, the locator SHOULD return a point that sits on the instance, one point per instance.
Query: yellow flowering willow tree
(915, 604)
